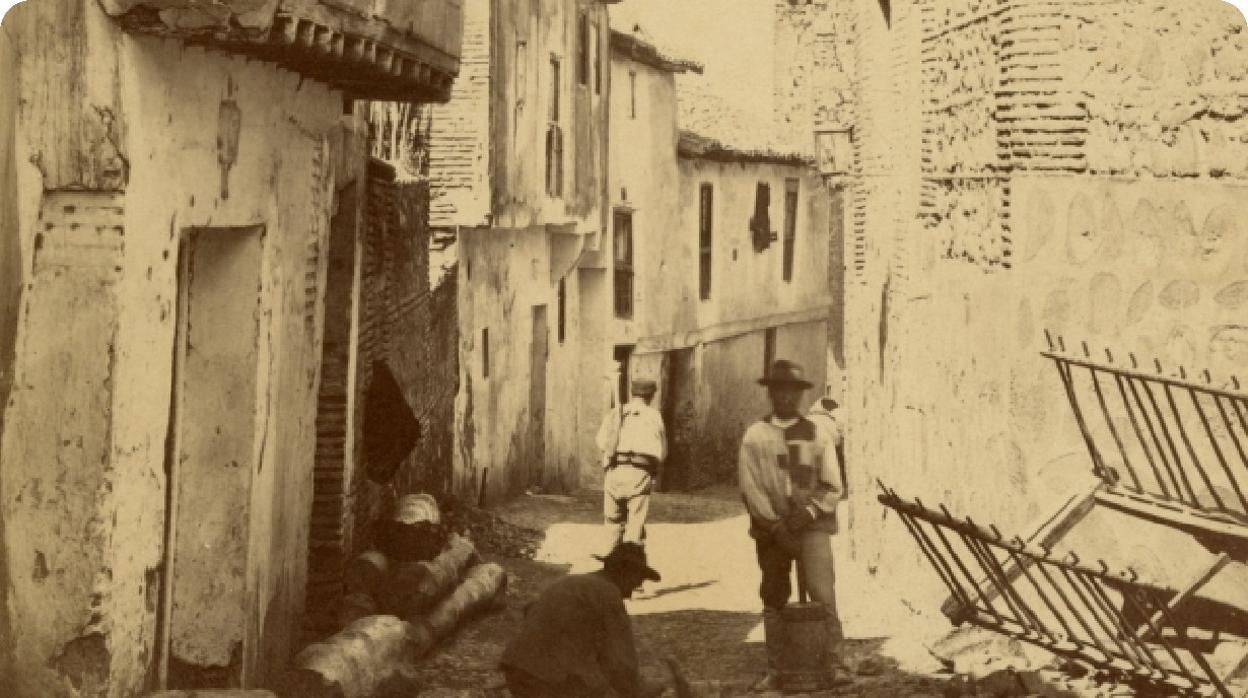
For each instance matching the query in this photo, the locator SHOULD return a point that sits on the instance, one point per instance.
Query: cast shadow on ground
(540, 511)
(683, 587)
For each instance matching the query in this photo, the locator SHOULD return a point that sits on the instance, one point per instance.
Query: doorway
(623, 355)
(210, 459)
(678, 417)
(539, 352)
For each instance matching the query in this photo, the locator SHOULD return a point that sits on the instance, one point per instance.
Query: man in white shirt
(637, 447)
(791, 483)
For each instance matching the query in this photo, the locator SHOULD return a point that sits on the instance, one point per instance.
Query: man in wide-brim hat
(577, 640)
(790, 479)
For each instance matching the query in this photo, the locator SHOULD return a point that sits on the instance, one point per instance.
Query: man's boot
(773, 635)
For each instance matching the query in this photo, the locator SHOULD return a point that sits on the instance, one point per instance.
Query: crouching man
(577, 640)
(790, 479)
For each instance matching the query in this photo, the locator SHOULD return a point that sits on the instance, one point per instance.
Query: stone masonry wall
(1079, 168)
(815, 41)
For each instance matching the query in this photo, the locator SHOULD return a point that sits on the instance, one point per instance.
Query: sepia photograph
(623, 348)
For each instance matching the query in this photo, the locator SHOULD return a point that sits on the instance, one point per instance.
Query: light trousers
(626, 503)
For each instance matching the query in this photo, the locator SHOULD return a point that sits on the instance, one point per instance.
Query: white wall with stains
(170, 138)
(516, 428)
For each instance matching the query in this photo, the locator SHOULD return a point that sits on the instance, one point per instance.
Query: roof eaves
(694, 146)
(643, 52)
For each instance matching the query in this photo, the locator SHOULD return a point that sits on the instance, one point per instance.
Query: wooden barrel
(805, 664)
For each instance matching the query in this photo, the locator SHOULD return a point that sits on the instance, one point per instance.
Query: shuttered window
(485, 353)
(706, 204)
(623, 264)
(790, 225)
(582, 50)
(562, 309)
(760, 223)
(554, 135)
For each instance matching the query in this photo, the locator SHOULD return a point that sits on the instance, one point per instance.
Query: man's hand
(801, 517)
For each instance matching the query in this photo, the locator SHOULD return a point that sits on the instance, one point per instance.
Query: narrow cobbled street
(705, 612)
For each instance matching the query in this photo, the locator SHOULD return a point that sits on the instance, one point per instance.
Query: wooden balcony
(395, 50)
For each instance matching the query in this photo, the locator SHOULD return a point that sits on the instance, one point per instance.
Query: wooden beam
(1201, 579)
(1231, 533)
(1046, 533)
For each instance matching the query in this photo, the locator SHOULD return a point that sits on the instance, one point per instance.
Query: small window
(790, 225)
(554, 135)
(623, 263)
(556, 84)
(769, 349)
(485, 352)
(705, 238)
(632, 95)
(562, 301)
(522, 74)
(760, 223)
(582, 50)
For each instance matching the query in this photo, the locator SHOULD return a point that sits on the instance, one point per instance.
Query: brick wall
(459, 134)
(411, 326)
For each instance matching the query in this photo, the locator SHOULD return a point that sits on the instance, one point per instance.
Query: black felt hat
(785, 372)
(630, 554)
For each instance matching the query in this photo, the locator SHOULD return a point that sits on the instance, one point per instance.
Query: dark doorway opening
(623, 357)
(537, 395)
(679, 419)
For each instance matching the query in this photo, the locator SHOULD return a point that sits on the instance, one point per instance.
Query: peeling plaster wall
(524, 37)
(1079, 168)
(11, 265)
(516, 260)
(644, 178)
(116, 157)
(746, 285)
(505, 274)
